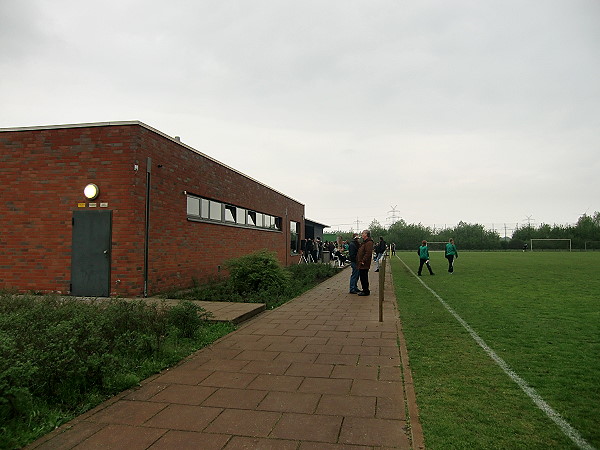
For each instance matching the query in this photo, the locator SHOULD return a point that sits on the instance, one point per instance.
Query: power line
(394, 213)
(529, 220)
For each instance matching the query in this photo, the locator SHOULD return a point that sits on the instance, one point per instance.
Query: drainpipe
(286, 226)
(147, 224)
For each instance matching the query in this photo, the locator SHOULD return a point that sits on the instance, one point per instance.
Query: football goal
(592, 245)
(550, 245)
(437, 246)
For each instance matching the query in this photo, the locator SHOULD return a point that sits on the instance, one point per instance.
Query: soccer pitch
(505, 353)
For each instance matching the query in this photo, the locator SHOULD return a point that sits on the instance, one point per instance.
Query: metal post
(147, 224)
(381, 286)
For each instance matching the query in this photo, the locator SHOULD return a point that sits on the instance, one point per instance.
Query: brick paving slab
(321, 446)
(127, 412)
(279, 383)
(183, 394)
(121, 436)
(184, 440)
(244, 422)
(236, 398)
(266, 367)
(295, 402)
(320, 372)
(244, 443)
(184, 417)
(305, 427)
(70, 437)
(376, 432)
(350, 405)
(390, 408)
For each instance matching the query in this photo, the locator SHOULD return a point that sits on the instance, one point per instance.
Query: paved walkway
(320, 372)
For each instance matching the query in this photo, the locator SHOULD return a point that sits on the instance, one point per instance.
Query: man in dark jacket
(363, 259)
(308, 252)
(353, 247)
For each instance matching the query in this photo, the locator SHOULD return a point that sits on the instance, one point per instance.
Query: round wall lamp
(91, 191)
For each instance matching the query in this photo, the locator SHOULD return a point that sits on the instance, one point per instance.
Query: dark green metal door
(90, 253)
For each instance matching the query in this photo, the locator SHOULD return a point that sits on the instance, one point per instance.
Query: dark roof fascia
(317, 223)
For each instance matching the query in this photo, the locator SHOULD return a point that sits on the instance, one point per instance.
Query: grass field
(539, 313)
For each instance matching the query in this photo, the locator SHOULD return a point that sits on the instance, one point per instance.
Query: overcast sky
(432, 111)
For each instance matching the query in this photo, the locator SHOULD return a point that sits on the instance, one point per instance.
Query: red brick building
(164, 215)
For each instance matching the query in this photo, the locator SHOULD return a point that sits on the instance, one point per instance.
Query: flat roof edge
(149, 128)
(316, 223)
(75, 125)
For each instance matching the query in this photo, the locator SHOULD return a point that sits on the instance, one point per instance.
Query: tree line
(584, 234)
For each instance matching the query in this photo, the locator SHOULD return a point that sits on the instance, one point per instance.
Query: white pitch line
(565, 427)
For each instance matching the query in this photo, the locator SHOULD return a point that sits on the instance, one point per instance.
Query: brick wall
(42, 176)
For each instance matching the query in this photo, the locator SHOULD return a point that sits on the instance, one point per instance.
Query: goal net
(550, 245)
(437, 246)
(592, 245)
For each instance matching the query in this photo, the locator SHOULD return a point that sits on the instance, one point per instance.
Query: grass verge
(539, 312)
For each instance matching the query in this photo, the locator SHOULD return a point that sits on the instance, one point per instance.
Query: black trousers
(363, 274)
(450, 259)
(426, 262)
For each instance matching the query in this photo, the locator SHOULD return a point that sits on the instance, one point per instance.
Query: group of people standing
(312, 250)
(450, 253)
(360, 255)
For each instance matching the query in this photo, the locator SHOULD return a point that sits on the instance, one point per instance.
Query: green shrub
(256, 272)
(61, 356)
(186, 318)
(215, 289)
(304, 274)
(259, 278)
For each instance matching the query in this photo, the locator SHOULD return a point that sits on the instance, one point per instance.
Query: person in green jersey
(424, 258)
(451, 253)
